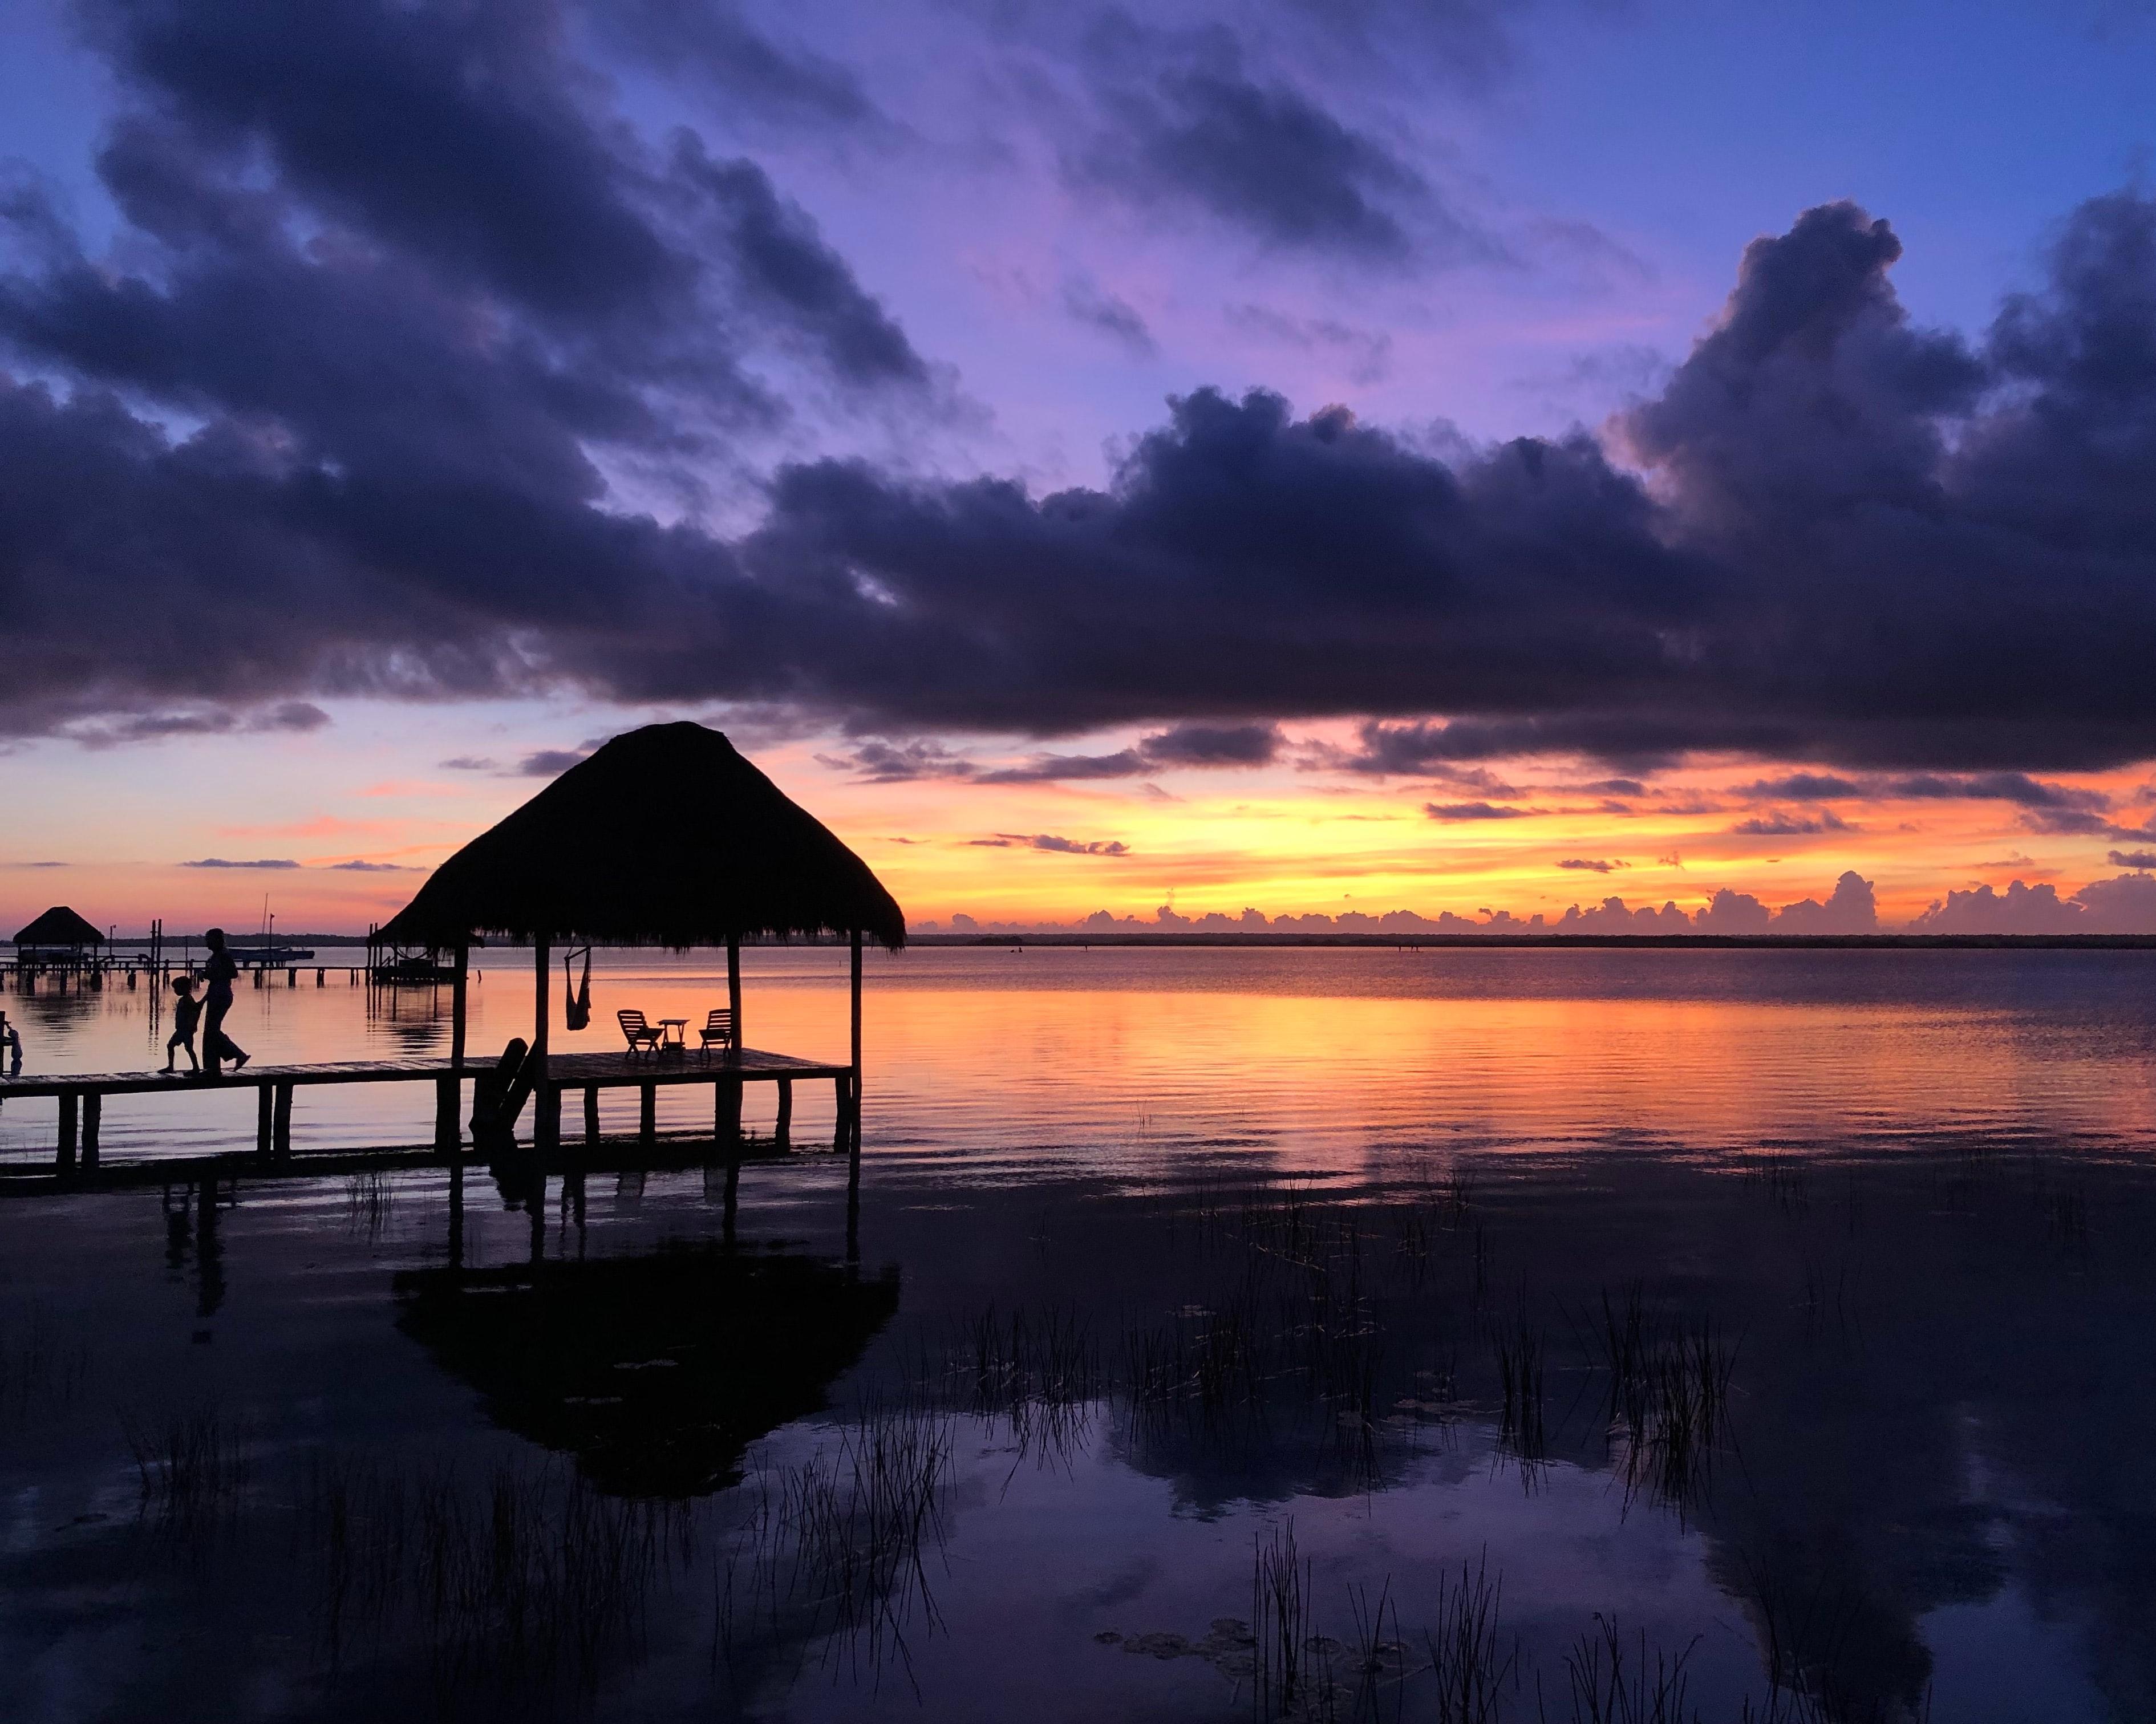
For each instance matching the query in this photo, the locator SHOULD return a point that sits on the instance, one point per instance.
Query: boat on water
(262, 951)
(271, 958)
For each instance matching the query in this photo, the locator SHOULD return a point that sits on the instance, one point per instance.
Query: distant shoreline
(1826, 943)
(2099, 942)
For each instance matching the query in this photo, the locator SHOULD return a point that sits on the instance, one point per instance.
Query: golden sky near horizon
(364, 807)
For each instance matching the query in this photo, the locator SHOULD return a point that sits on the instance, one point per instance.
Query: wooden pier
(81, 1097)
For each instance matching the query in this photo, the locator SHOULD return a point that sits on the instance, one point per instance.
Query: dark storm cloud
(712, 46)
(395, 299)
(548, 763)
(1784, 825)
(1049, 841)
(1190, 745)
(220, 862)
(398, 287)
(787, 271)
(1805, 786)
(444, 165)
(298, 716)
(1093, 306)
(2018, 787)
(1184, 124)
(1997, 786)
(1473, 811)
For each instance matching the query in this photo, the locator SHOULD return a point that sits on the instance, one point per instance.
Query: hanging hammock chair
(577, 997)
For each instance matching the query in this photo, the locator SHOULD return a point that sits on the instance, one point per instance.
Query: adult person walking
(222, 970)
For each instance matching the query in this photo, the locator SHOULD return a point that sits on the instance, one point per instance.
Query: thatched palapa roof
(666, 836)
(59, 927)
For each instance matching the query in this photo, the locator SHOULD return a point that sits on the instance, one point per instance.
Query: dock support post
(535, 1195)
(456, 1212)
(782, 1133)
(93, 1109)
(281, 1125)
(591, 1115)
(446, 1134)
(457, 1008)
(546, 1118)
(68, 1105)
(263, 1101)
(647, 1116)
(546, 1126)
(727, 1105)
(854, 1112)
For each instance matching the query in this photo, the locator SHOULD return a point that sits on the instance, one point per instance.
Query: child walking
(187, 1014)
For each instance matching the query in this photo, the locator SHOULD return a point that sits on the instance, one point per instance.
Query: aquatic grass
(1520, 1352)
(43, 1367)
(527, 1577)
(1440, 1209)
(369, 1196)
(1283, 1681)
(835, 1550)
(1048, 1356)
(2064, 1210)
(1667, 1401)
(193, 1467)
(1469, 1660)
(1816, 1298)
(1376, 1658)
(1785, 1178)
(1608, 1689)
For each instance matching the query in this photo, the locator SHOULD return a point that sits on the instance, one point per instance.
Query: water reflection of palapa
(656, 1373)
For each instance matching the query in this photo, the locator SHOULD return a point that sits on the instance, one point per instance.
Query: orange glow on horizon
(342, 839)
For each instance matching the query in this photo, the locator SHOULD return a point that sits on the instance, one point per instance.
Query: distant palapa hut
(59, 936)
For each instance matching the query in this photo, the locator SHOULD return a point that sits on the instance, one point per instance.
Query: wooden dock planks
(81, 1095)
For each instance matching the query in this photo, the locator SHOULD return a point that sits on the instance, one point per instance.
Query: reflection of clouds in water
(1936, 1444)
(1924, 1415)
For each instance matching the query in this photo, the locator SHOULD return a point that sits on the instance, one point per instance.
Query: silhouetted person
(10, 1047)
(223, 970)
(187, 1014)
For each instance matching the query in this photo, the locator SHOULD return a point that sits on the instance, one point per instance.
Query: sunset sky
(1321, 460)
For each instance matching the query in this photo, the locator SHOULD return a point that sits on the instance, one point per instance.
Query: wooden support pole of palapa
(733, 989)
(547, 1120)
(854, 1111)
(449, 1092)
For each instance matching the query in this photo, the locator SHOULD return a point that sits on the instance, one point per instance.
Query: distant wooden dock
(81, 1097)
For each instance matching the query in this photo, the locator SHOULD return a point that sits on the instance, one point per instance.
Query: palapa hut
(666, 836)
(59, 936)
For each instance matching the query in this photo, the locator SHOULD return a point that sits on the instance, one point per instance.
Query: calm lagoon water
(1231, 1334)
